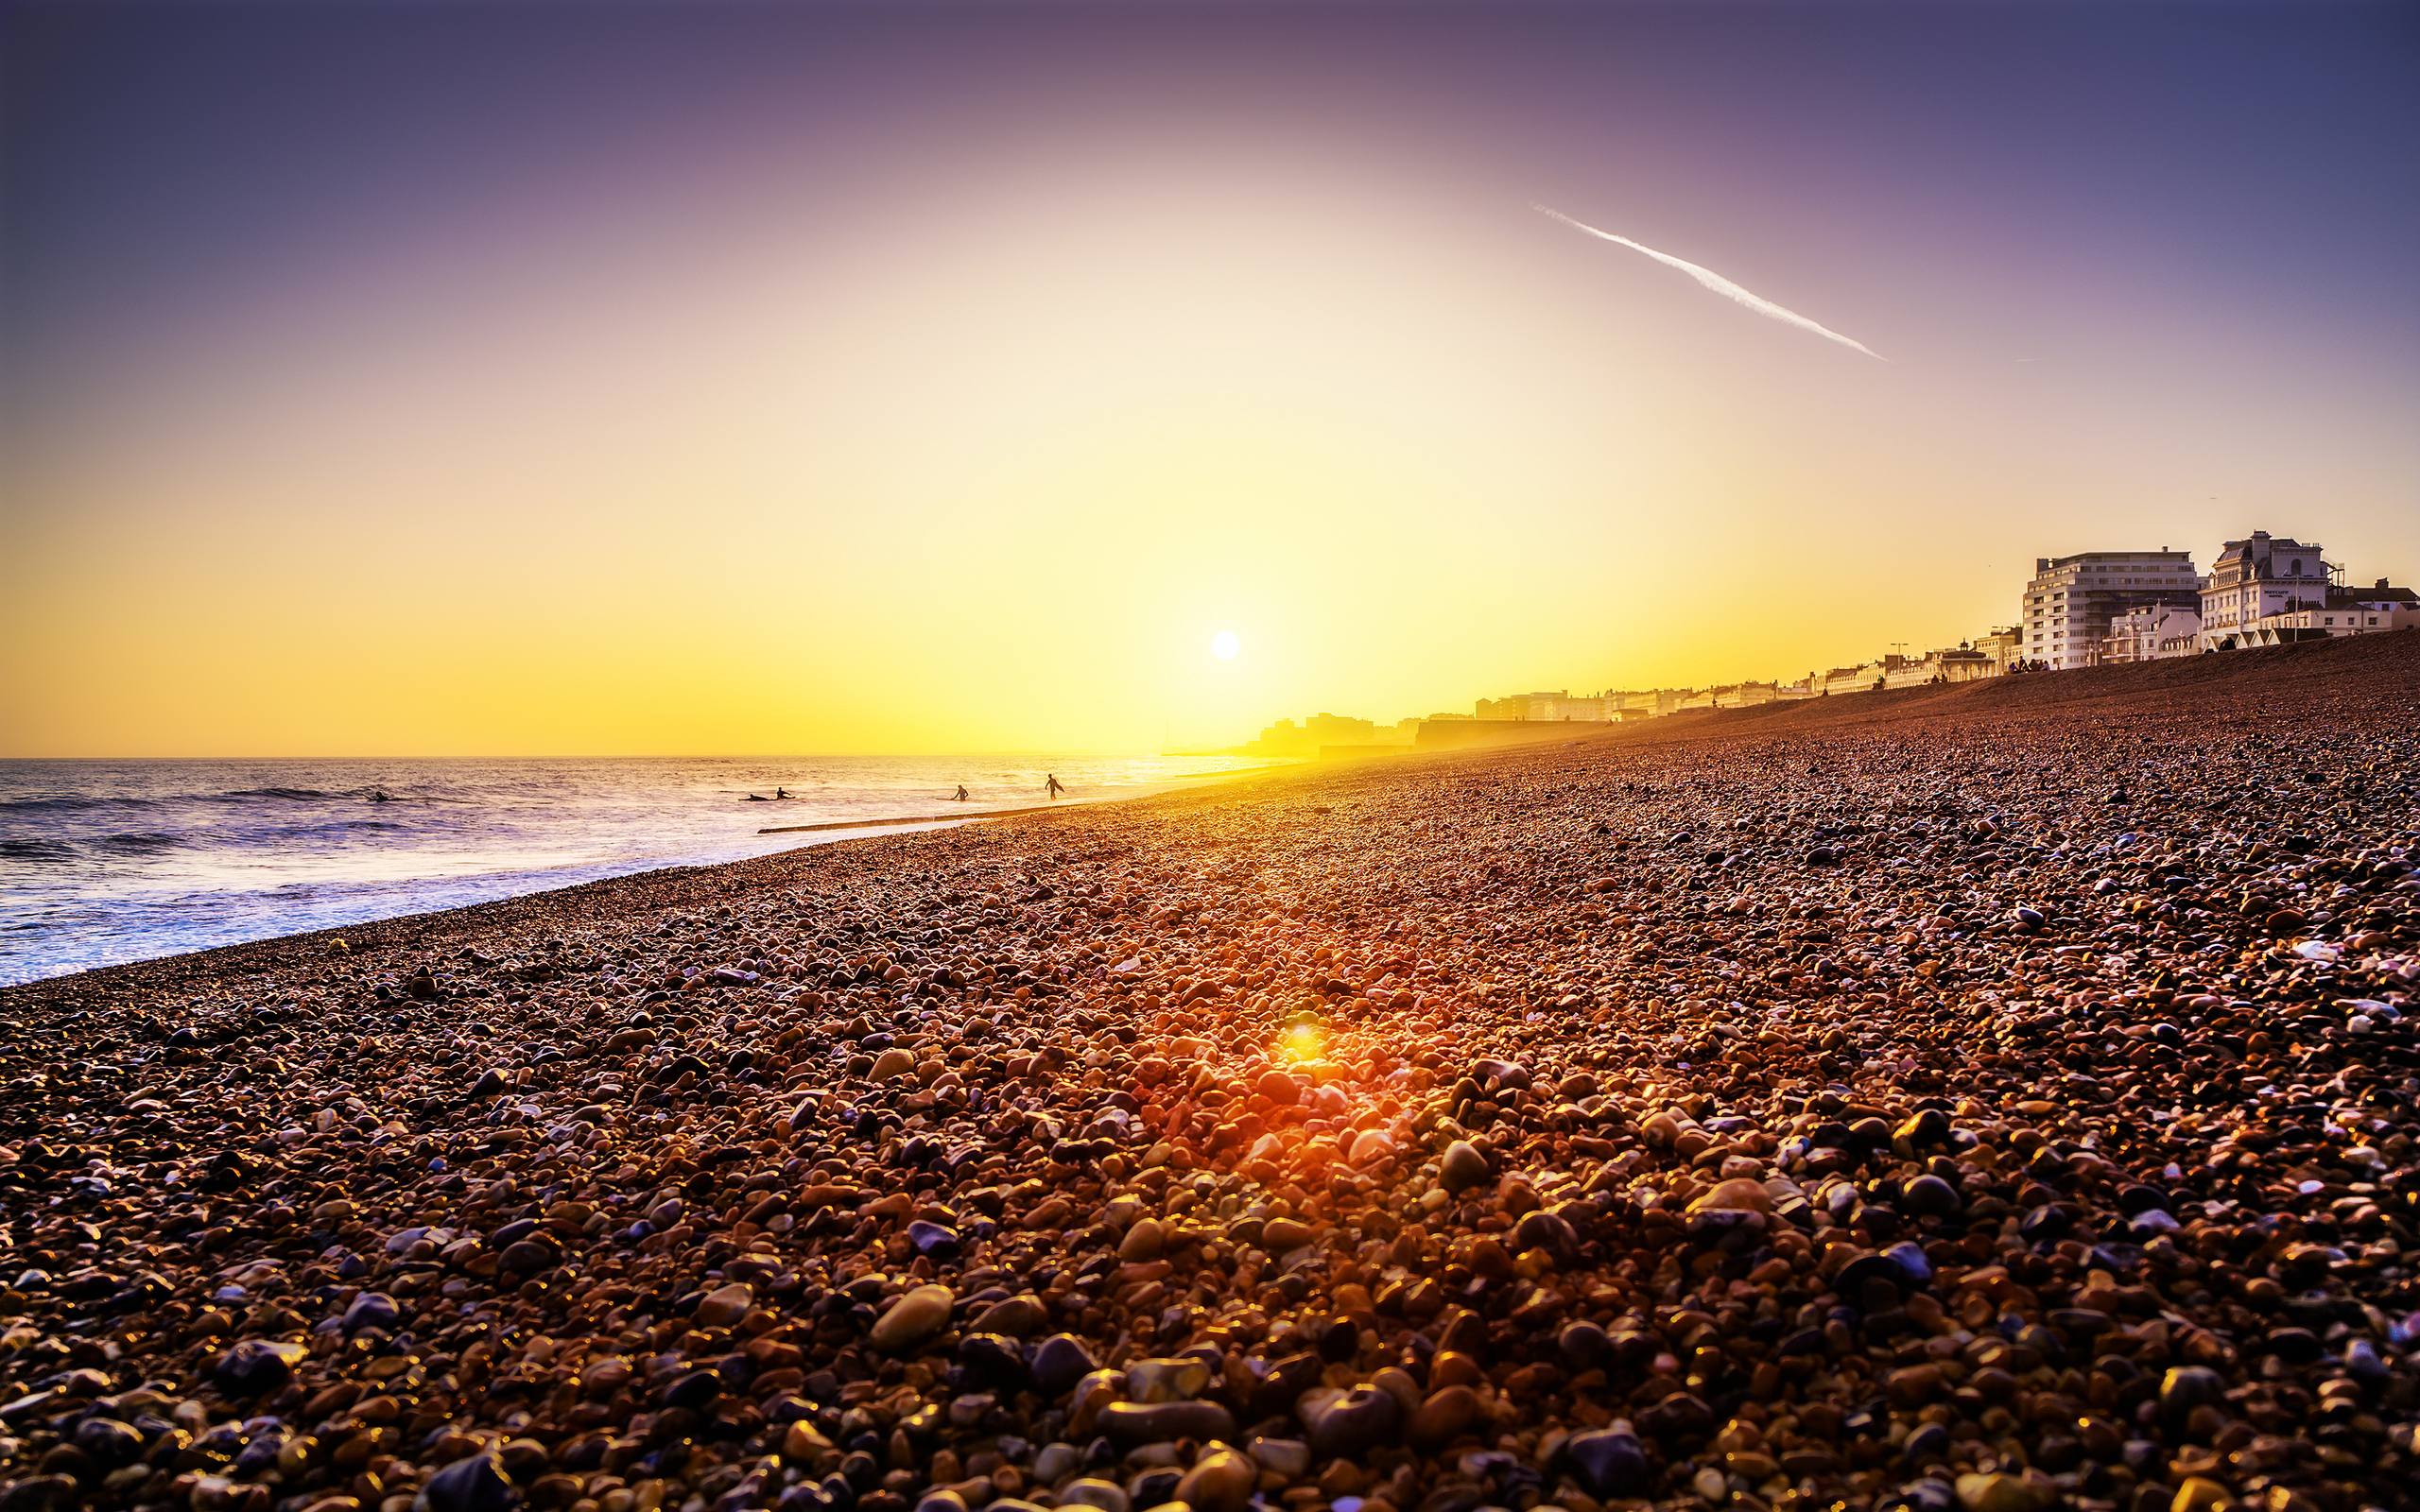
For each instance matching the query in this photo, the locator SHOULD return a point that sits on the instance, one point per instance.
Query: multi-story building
(2071, 600)
(2257, 576)
(2149, 632)
(2003, 648)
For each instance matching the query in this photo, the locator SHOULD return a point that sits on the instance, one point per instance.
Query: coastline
(344, 901)
(1441, 1102)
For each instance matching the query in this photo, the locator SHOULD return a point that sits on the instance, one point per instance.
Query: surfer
(958, 796)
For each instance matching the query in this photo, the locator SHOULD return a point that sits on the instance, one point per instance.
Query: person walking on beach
(1054, 787)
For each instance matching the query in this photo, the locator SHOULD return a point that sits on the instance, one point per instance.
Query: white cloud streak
(1710, 279)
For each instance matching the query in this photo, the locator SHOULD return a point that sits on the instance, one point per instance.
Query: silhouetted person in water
(781, 792)
(1054, 787)
(958, 796)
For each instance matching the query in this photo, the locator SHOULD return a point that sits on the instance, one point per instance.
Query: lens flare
(1303, 1042)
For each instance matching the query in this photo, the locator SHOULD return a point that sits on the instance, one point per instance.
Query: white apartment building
(2255, 577)
(2069, 604)
(2148, 632)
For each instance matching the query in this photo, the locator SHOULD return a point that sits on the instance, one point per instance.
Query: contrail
(1715, 282)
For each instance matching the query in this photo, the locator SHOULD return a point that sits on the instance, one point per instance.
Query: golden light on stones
(1302, 1045)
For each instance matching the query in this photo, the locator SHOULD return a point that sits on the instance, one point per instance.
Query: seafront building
(2148, 632)
(2255, 577)
(2003, 648)
(2071, 602)
(2079, 611)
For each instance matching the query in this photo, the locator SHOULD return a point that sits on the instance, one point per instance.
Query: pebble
(477, 1484)
(1354, 1421)
(1462, 1167)
(1132, 1422)
(724, 1305)
(912, 1319)
(1061, 1361)
(1220, 1481)
(1611, 1462)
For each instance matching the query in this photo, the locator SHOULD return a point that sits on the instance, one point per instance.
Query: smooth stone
(1092, 1491)
(1143, 1241)
(2187, 1387)
(1611, 1462)
(1930, 1195)
(1282, 1235)
(1444, 1415)
(257, 1367)
(932, 1238)
(1220, 1481)
(1361, 1417)
(372, 1309)
(1925, 1128)
(2197, 1493)
(478, 1484)
(1463, 1167)
(1061, 1361)
(1016, 1317)
(912, 1319)
(1998, 1493)
(1738, 1194)
(1170, 1379)
(1545, 1230)
(1056, 1462)
(724, 1305)
(892, 1064)
(1135, 1422)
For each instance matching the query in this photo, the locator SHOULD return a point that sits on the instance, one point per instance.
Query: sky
(648, 379)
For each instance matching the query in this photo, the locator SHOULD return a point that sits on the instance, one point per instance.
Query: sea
(104, 862)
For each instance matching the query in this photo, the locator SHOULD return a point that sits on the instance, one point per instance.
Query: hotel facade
(2072, 601)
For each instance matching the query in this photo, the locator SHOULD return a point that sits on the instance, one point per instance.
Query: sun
(1226, 645)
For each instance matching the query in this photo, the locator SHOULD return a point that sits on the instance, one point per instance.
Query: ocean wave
(141, 843)
(68, 804)
(294, 795)
(22, 848)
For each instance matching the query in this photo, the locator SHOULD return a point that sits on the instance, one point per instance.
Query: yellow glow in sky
(979, 453)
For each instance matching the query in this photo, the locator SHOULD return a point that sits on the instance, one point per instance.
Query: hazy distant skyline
(386, 380)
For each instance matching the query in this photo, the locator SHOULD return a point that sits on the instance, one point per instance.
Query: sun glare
(1226, 645)
(1302, 1044)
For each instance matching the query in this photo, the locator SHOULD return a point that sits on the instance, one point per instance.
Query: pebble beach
(1998, 1098)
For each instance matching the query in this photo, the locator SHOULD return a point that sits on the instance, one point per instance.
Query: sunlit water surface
(107, 862)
